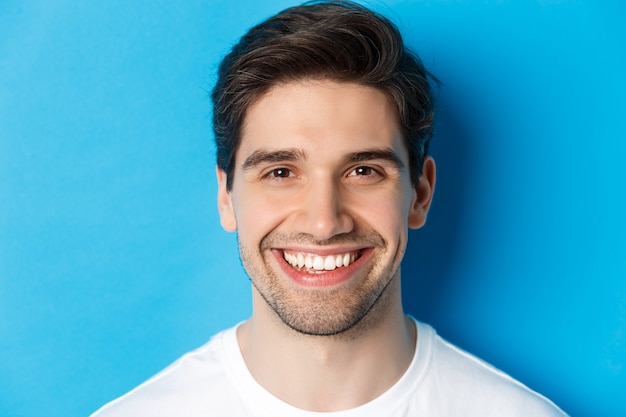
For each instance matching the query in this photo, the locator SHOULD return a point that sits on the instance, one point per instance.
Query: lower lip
(325, 278)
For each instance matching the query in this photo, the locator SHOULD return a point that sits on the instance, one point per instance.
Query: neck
(330, 373)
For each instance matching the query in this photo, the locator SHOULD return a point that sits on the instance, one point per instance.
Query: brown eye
(363, 171)
(281, 173)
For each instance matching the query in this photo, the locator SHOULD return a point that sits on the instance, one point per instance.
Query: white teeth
(329, 263)
(318, 263)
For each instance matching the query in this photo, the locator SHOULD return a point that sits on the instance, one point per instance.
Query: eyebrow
(262, 156)
(385, 154)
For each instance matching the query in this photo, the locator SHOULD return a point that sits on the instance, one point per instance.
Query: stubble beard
(341, 312)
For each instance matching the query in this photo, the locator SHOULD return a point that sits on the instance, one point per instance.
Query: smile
(311, 263)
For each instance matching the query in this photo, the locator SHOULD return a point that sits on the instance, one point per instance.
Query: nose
(322, 212)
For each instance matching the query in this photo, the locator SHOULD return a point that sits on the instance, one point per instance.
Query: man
(322, 120)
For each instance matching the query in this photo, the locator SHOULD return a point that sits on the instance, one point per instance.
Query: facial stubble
(343, 312)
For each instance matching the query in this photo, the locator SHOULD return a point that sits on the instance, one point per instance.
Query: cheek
(387, 215)
(257, 216)
(396, 200)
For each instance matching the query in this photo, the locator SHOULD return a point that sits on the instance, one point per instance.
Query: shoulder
(478, 388)
(192, 385)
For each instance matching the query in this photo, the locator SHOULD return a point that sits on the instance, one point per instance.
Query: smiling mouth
(316, 264)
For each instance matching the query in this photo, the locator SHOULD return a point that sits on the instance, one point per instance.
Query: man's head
(322, 121)
(338, 41)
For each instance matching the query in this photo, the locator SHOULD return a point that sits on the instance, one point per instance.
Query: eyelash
(364, 171)
(370, 171)
(276, 173)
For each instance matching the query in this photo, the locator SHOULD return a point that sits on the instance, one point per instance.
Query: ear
(422, 194)
(225, 203)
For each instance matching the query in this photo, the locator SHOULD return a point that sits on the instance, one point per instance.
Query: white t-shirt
(441, 380)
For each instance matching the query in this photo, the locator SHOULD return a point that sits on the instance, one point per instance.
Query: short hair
(337, 40)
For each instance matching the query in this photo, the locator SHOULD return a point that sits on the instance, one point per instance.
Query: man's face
(322, 200)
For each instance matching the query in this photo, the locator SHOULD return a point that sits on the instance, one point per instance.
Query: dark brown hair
(337, 40)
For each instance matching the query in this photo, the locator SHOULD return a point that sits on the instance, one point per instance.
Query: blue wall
(112, 261)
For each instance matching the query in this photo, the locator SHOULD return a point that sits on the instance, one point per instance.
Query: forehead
(318, 115)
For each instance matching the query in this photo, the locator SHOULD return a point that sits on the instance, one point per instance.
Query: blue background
(112, 260)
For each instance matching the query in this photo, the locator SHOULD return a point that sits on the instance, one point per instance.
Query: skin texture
(322, 171)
